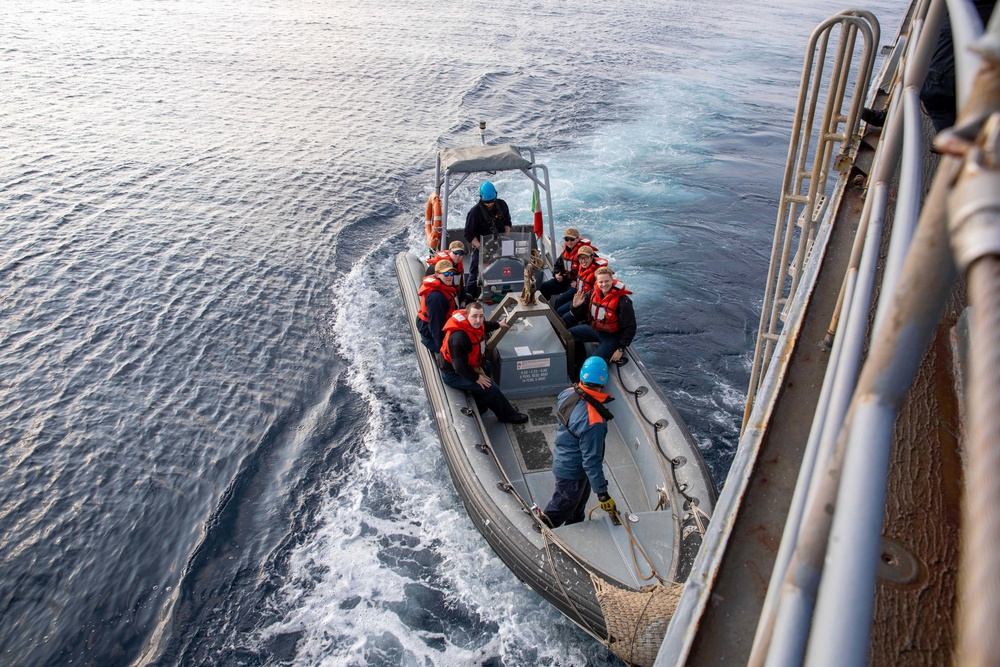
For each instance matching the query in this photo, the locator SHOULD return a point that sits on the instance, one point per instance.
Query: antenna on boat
(482, 131)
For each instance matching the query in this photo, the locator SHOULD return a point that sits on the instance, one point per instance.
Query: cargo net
(637, 620)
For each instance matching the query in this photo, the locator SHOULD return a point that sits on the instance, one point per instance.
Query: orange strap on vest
(600, 397)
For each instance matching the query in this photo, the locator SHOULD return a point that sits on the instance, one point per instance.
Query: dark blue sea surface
(214, 443)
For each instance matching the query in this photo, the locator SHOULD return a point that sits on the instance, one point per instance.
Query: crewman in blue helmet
(578, 462)
(489, 216)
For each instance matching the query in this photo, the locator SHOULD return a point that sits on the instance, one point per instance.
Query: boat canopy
(482, 158)
(455, 165)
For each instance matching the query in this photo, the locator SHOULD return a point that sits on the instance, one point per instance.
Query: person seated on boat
(439, 298)
(566, 266)
(608, 315)
(578, 461)
(454, 254)
(489, 216)
(587, 264)
(463, 361)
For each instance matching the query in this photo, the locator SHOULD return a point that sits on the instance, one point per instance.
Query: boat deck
(525, 452)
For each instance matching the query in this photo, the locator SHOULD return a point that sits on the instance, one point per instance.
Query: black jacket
(480, 222)
(438, 314)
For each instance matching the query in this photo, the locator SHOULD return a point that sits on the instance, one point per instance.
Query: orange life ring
(432, 222)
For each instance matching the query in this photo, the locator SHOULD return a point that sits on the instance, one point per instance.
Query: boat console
(502, 261)
(532, 352)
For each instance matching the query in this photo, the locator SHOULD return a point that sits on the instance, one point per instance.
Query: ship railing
(804, 194)
(820, 602)
(848, 342)
(684, 625)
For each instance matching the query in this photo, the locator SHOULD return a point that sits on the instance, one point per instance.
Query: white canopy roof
(482, 158)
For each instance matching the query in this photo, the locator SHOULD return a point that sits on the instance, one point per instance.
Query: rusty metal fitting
(974, 201)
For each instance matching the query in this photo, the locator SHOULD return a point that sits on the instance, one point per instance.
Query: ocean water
(214, 443)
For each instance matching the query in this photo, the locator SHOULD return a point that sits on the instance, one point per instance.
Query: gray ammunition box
(532, 361)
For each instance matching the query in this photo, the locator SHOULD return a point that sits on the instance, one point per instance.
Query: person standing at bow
(609, 316)
(463, 363)
(489, 216)
(567, 266)
(578, 461)
(439, 298)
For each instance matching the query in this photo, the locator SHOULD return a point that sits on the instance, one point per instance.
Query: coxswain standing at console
(489, 216)
(566, 267)
(609, 316)
(439, 298)
(454, 254)
(463, 362)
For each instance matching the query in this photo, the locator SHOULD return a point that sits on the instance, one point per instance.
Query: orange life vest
(459, 322)
(434, 284)
(587, 277)
(592, 414)
(604, 307)
(459, 268)
(570, 263)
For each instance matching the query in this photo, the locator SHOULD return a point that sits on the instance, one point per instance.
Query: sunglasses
(449, 274)
(567, 239)
(460, 253)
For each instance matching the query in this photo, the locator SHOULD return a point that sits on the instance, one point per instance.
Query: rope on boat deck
(633, 541)
(633, 545)
(547, 534)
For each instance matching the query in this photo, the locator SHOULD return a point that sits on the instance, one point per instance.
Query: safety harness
(490, 217)
(565, 408)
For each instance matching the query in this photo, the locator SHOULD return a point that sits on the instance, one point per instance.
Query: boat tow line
(547, 534)
(634, 545)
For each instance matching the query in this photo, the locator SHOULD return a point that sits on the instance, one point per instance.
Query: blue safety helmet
(487, 191)
(594, 371)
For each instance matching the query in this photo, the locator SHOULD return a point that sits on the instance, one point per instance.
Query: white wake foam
(356, 586)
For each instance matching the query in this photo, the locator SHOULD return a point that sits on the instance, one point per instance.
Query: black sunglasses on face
(567, 239)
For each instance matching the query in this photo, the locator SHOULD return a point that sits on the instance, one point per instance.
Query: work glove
(608, 505)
